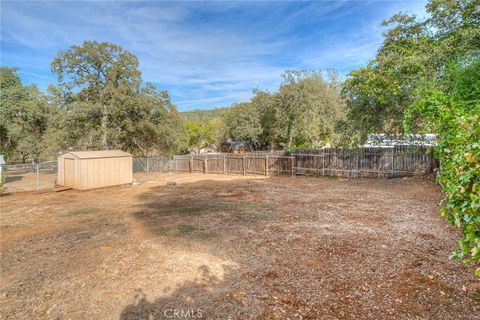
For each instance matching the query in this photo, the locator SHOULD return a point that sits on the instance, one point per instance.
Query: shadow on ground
(205, 298)
(296, 259)
(202, 209)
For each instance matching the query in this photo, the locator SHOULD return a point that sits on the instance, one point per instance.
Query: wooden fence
(379, 162)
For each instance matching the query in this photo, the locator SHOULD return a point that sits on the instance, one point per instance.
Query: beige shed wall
(60, 171)
(104, 172)
(92, 173)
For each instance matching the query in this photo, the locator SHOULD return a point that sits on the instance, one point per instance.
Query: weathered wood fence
(378, 162)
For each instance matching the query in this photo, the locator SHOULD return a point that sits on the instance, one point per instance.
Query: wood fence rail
(378, 162)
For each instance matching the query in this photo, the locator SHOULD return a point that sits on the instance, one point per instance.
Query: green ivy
(454, 115)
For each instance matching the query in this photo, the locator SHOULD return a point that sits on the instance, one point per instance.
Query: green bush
(452, 109)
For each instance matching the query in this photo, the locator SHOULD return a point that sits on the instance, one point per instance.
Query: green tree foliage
(200, 135)
(309, 107)
(451, 107)
(413, 50)
(23, 118)
(302, 113)
(426, 78)
(153, 124)
(204, 116)
(105, 105)
(220, 131)
(243, 121)
(99, 78)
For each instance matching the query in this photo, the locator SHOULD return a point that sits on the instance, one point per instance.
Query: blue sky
(206, 54)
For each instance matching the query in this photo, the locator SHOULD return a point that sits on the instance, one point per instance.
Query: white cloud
(204, 53)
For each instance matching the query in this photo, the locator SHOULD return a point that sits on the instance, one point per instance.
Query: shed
(94, 169)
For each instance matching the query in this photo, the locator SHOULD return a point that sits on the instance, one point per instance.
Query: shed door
(69, 172)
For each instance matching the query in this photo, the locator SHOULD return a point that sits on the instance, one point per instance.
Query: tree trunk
(290, 136)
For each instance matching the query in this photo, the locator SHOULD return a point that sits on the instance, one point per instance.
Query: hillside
(204, 115)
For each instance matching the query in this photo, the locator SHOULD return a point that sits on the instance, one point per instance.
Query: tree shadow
(11, 178)
(200, 209)
(298, 265)
(208, 297)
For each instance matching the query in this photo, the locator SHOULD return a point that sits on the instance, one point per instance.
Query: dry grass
(234, 247)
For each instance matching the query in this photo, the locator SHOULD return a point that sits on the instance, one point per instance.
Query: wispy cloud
(206, 54)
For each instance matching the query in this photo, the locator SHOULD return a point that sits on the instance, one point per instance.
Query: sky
(206, 54)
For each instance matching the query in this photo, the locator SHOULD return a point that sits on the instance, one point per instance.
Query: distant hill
(204, 115)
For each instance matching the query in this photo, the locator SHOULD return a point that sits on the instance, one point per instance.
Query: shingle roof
(98, 154)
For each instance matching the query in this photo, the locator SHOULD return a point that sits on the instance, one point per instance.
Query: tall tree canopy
(101, 93)
(302, 113)
(100, 78)
(413, 51)
(23, 118)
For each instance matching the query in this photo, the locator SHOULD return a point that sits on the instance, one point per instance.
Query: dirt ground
(228, 247)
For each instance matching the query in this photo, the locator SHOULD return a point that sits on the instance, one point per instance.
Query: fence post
(357, 162)
(224, 163)
(38, 176)
(292, 166)
(190, 164)
(323, 163)
(205, 169)
(392, 169)
(243, 165)
(148, 169)
(266, 165)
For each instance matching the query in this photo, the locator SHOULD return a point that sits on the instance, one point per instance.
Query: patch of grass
(194, 208)
(81, 212)
(205, 235)
(249, 217)
(188, 231)
(255, 205)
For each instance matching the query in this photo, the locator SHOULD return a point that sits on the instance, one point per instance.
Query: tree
(308, 107)
(102, 101)
(153, 124)
(270, 121)
(243, 122)
(220, 131)
(99, 77)
(23, 117)
(200, 135)
(413, 50)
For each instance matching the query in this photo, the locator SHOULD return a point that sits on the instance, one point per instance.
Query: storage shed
(94, 169)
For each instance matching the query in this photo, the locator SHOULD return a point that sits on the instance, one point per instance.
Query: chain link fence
(29, 176)
(152, 164)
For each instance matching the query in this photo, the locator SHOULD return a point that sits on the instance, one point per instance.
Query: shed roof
(97, 154)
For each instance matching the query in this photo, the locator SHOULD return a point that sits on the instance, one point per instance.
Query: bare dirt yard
(227, 247)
